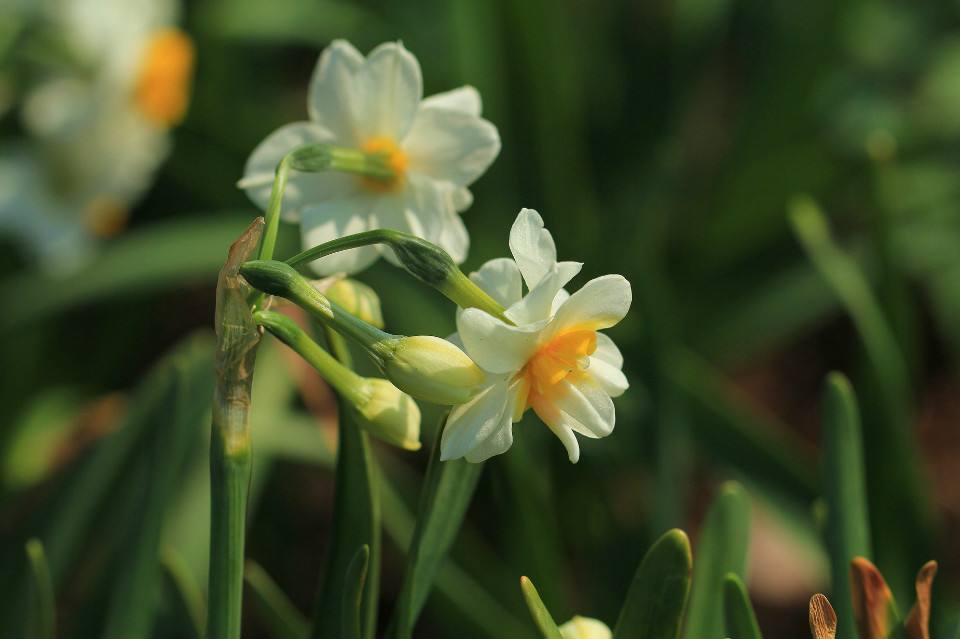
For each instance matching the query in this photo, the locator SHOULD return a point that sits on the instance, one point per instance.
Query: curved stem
(366, 238)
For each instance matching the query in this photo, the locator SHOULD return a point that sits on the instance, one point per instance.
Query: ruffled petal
(532, 246)
(500, 278)
(589, 407)
(538, 304)
(559, 425)
(496, 347)
(610, 378)
(333, 92)
(607, 351)
(466, 99)
(302, 188)
(599, 304)
(389, 88)
(473, 422)
(451, 145)
(330, 220)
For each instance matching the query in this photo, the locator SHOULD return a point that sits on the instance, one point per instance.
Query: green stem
(273, 208)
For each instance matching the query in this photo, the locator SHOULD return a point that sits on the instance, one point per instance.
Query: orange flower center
(563, 357)
(163, 86)
(395, 159)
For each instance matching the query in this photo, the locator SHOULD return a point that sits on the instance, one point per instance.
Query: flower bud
(390, 414)
(431, 369)
(355, 297)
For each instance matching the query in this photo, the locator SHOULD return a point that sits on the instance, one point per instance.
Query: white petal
(500, 438)
(424, 208)
(389, 88)
(538, 304)
(601, 303)
(500, 278)
(470, 423)
(330, 220)
(592, 409)
(567, 437)
(496, 347)
(607, 351)
(454, 238)
(462, 199)
(332, 97)
(451, 145)
(532, 246)
(466, 99)
(610, 378)
(302, 188)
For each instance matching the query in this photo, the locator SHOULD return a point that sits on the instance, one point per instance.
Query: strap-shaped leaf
(447, 491)
(279, 615)
(353, 594)
(541, 616)
(40, 604)
(722, 549)
(848, 529)
(741, 622)
(657, 597)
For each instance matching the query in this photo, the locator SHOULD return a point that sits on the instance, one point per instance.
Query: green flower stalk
(383, 410)
(230, 462)
(428, 368)
(355, 297)
(425, 261)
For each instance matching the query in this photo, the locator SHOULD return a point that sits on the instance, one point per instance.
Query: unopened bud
(431, 369)
(390, 414)
(355, 297)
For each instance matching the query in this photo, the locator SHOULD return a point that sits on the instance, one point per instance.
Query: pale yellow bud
(431, 369)
(390, 414)
(355, 297)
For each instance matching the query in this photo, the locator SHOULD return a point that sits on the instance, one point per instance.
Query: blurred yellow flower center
(565, 356)
(163, 86)
(396, 160)
(106, 216)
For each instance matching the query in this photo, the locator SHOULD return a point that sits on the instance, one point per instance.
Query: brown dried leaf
(823, 620)
(918, 623)
(872, 599)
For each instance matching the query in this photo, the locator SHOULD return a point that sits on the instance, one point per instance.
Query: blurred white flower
(585, 628)
(437, 146)
(552, 359)
(98, 116)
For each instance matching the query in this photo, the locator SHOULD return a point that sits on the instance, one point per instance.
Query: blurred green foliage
(663, 140)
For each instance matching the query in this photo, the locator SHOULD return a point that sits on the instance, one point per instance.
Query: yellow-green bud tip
(432, 369)
(355, 297)
(391, 415)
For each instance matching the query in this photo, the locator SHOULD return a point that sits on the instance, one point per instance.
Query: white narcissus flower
(98, 121)
(437, 146)
(552, 359)
(585, 628)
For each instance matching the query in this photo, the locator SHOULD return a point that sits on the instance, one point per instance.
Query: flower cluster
(379, 171)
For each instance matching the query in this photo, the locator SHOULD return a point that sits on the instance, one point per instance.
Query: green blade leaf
(541, 616)
(41, 615)
(356, 521)
(188, 598)
(281, 617)
(847, 529)
(658, 595)
(447, 491)
(741, 622)
(173, 436)
(353, 594)
(722, 549)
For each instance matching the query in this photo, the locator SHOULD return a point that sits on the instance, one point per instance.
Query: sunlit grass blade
(188, 598)
(174, 434)
(903, 526)
(541, 616)
(41, 613)
(722, 549)
(740, 620)
(848, 530)
(353, 594)
(654, 606)
(356, 522)
(278, 613)
(447, 490)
